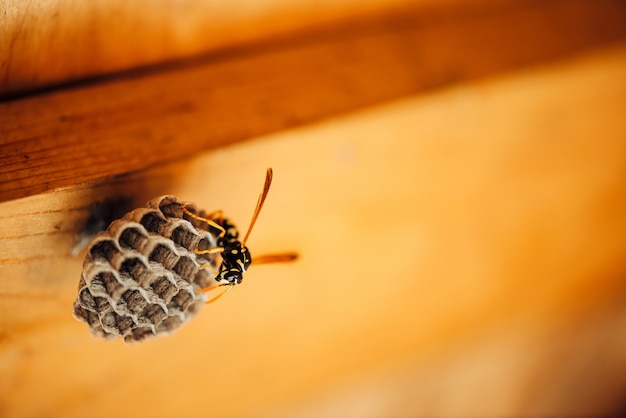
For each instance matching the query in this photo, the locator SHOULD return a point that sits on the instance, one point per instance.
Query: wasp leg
(215, 286)
(209, 267)
(218, 214)
(209, 222)
(210, 250)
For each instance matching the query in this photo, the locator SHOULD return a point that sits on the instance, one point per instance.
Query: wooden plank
(463, 249)
(59, 41)
(145, 119)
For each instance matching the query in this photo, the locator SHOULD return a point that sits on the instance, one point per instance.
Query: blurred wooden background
(453, 174)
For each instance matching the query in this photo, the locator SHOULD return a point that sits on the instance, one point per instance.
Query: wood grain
(139, 120)
(463, 253)
(59, 41)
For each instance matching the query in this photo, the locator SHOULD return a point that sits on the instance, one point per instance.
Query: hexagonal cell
(164, 289)
(107, 282)
(182, 300)
(164, 255)
(154, 314)
(86, 299)
(153, 222)
(139, 334)
(172, 208)
(132, 238)
(185, 268)
(117, 324)
(104, 249)
(133, 267)
(184, 237)
(134, 301)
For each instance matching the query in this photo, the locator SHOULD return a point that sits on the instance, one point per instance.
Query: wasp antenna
(259, 203)
(275, 258)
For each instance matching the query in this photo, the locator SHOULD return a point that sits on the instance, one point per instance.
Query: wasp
(236, 258)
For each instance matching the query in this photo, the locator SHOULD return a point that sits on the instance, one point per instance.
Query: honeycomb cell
(134, 267)
(86, 300)
(164, 289)
(184, 237)
(133, 238)
(153, 222)
(104, 249)
(181, 301)
(110, 283)
(134, 301)
(186, 269)
(139, 334)
(164, 255)
(154, 313)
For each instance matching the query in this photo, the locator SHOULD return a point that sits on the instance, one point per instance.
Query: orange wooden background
(463, 247)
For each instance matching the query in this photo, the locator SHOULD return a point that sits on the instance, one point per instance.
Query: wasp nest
(140, 276)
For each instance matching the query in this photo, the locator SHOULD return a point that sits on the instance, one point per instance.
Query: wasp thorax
(231, 234)
(235, 261)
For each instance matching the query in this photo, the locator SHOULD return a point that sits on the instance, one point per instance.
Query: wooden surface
(143, 119)
(463, 254)
(59, 41)
(48, 43)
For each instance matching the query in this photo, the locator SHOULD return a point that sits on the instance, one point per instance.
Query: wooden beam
(142, 119)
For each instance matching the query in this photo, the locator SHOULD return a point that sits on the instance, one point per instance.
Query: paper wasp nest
(140, 276)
